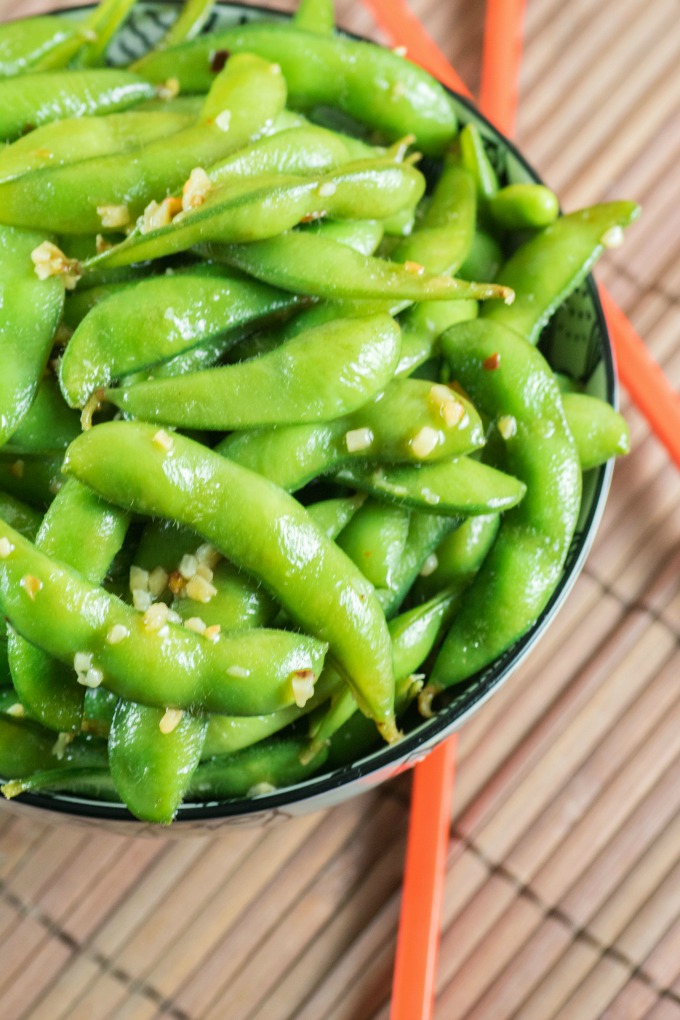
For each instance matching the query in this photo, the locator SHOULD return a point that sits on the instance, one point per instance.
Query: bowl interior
(575, 342)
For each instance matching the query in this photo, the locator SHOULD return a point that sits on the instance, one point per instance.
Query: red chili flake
(492, 362)
(219, 59)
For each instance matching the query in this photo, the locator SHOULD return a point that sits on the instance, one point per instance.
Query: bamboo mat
(563, 881)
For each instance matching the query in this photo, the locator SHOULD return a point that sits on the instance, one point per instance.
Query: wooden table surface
(563, 883)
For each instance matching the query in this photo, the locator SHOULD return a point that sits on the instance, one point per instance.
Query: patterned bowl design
(575, 341)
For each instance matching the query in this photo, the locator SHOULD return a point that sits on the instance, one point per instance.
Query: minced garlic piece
(208, 554)
(156, 216)
(17, 710)
(196, 189)
(170, 720)
(156, 616)
(31, 585)
(507, 426)
(260, 790)
(141, 600)
(82, 661)
(425, 441)
(204, 571)
(163, 441)
(158, 581)
(117, 634)
(174, 617)
(188, 566)
(200, 590)
(6, 548)
(169, 89)
(357, 440)
(114, 216)
(302, 683)
(238, 671)
(429, 566)
(212, 633)
(139, 578)
(196, 624)
(93, 678)
(442, 401)
(223, 120)
(50, 261)
(61, 743)
(414, 267)
(176, 584)
(612, 238)
(327, 189)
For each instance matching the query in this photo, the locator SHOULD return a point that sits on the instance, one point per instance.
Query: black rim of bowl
(415, 744)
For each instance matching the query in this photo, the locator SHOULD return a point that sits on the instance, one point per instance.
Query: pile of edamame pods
(281, 462)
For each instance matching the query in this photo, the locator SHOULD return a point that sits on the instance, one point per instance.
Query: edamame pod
(317, 376)
(109, 193)
(81, 530)
(38, 98)
(276, 541)
(510, 380)
(20, 516)
(404, 425)
(153, 755)
(547, 268)
(376, 86)
(262, 207)
(27, 41)
(314, 264)
(48, 426)
(599, 431)
(79, 138)
(451, 487)
(374, 539)
(30, 310)
(82, 624)
(180, 312)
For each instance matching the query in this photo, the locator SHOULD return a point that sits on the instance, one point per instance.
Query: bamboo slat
(562, 898)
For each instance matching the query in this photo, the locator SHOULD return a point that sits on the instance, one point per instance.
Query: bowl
(576, 342)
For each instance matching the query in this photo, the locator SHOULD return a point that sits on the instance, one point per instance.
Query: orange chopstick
(415, 967)
(402, 28)
(418, 936)
(647, 386)
(501, 61)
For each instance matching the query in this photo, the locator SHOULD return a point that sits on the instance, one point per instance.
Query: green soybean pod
(107, 193)
(153, 755)
(550, 265)
(599, 431)
(78, 138)
(30, 310)
(376, 86)
(319, 375)
(81, 530)
(49, 425)
(27, 41)
(522, 206)
(168, 667)
(38, 98)
(404, 425)
(509, 379)
(256, 208)
(374, 539)
(276, 541)
(180, 313)
(19, 515)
